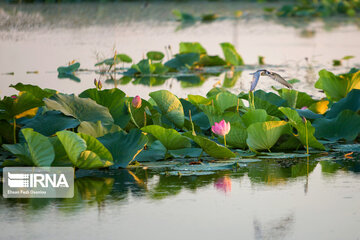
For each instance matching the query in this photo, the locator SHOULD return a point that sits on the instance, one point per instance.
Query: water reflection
(98, 187)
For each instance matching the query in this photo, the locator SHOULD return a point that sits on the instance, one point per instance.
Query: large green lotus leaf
(79, 108)
(124, 147)
(50, 122)
(264, 135)
(345, 126)
(95, 156)
(170, 106)
(350, 102)
(40, 149)
(214, 114)
(21, 151)
(302, 99)
(114, 99)
(6, 132)
(253, 116)
(170, 138)
(237, 136)
(97, 129)
(144, 67)
(10, 108)
(61, 157)
(290, 96)
(34, 90)
(68, 69)
(185, 60)
(225, 100)
(337, 87)
(138, 113)
(186, 152)
(269, 102)
(210, 147)
(191, 47)
(115, 60)
(73, 144)
(211, 61)
(155, 56)
(197, 99)
(215, 91)
(156, 151)
(308, 114)
(198, 117)
(231, 55)
(296, 121)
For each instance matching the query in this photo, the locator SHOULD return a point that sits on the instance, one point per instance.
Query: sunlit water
(269, 200)
(44, 37)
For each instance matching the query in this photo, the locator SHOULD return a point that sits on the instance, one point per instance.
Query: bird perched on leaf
(272, 75)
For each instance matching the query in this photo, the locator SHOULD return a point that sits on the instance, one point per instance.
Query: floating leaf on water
(69, 69)
(186, 152)
(347, 148)
(204, 167)
(187, 173)
(246, 154)
(283, 155)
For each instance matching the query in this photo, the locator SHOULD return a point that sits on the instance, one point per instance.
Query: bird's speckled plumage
(272, 75)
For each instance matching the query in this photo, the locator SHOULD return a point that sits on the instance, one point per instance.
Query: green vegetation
(105, 128)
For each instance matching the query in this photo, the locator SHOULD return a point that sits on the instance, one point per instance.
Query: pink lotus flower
(136, 102)
(13, 96)
(304, 108)
(222, 128)
(223, 184)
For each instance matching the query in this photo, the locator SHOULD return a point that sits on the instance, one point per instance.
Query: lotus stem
(132, 117)
(251, 100)
(306, 137)
(238, 105)
(225, 140)
(192, 124)
(144, 118)
(14, 130)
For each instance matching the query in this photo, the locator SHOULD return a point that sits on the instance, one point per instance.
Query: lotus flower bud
(99, 85)
(13, 96)
(136, 102)
(222, 128)
(95, 83)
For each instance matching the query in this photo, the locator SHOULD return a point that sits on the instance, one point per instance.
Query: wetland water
(284, 199)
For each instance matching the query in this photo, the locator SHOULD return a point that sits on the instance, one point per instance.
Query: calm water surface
(266, 200)
(44, 37)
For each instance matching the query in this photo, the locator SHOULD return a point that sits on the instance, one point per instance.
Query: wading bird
(272, 75)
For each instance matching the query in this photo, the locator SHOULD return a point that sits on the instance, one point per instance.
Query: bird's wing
(279, 79)
(256, 77)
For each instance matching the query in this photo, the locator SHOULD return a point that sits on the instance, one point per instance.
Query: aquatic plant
(103, 128)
